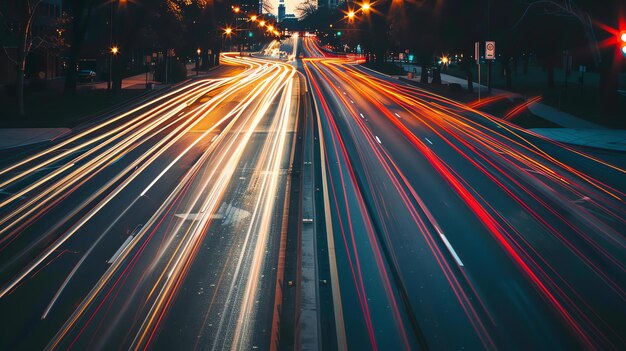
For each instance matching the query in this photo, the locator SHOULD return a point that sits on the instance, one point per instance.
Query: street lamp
(114, 51)
(228, 31)
(262, 24)
(236, 9)
(444, 61)
(365, 7)
(351, 15)
(199, 51)
(253, 18)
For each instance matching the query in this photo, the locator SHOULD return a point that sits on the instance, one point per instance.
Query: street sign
(490, 50)
(477, 52)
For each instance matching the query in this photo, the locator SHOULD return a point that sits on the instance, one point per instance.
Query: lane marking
(451, 249)
(378, 140)
(342, 343)
(360, 114)
(397, 115)
(119, 251)
(431, 143)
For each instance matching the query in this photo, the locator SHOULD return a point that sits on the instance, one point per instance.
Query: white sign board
(490, 50)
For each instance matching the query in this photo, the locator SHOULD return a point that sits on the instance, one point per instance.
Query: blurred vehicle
(86, 75)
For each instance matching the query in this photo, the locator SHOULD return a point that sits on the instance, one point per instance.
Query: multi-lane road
(453, 229)
(160, 226)
(309, 204)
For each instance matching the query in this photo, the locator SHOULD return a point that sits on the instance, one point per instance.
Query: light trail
(264, 94)
(480, 156)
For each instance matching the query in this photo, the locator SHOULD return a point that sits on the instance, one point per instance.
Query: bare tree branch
(14, 61)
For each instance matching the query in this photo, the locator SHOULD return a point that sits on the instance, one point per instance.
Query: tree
(22, 13)
(267, 6)
(306, 8)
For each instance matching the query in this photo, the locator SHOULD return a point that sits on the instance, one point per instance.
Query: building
(281, 10)
(329, 3)
(43, 62)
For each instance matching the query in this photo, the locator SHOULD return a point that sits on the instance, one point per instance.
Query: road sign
(490, 50)
(477, 52)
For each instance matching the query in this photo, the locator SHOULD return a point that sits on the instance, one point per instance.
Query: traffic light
(622, 42)
(339, 33)
(250, 34)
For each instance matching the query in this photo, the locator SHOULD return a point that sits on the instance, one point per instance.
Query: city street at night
(313, 175)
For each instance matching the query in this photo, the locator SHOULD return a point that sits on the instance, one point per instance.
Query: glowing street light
(198, 51)
(236, 9)
(262, 24)
(253, 18)
(351, 15)
(365, 7)
(270, 28)
(444, 60)
(228, 31)
(115, 50)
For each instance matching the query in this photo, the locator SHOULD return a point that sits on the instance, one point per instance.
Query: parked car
(86, 75)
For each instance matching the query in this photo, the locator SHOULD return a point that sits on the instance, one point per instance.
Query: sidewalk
(136, 82)
(14, 137)
(574, 130)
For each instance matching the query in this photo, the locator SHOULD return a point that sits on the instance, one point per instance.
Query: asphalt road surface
(455, 230)
(157, 227)
(434, 225)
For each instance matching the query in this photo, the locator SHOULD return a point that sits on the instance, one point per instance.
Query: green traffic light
(338, 33)
(250, 34)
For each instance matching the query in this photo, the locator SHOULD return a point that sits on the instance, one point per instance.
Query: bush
(455, 87)
(177, 72)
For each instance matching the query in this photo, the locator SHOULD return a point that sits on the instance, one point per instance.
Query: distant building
(281, 10)
(290, 23)
(329, 3)
(42, 63)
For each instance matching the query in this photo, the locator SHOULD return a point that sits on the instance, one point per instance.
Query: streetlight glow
(199, 51)
(365, 7)
(228, 31)
(253, 18)
(236, 9)
(351, 14)
(262, 24)
(115, 50)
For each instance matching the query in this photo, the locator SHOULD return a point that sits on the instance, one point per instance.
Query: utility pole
(110, 46)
